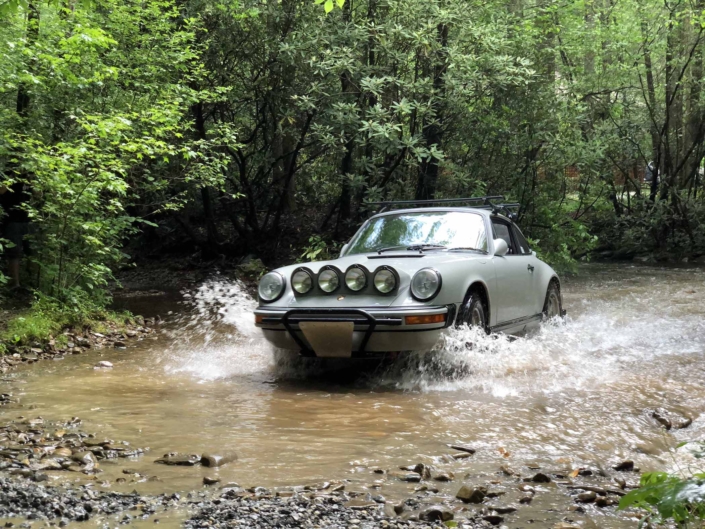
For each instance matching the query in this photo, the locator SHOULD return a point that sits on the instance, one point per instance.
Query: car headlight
(356, 279)
(301, 281)
(271, 287)
(328, 280)
(385, 281)
(425, 284)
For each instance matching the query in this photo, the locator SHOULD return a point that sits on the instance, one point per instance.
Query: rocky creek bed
(51, 472)
(75, 341)
(576, 442)
(35, 452)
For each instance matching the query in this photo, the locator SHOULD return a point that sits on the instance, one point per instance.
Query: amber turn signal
(258, 318)
(423, 320)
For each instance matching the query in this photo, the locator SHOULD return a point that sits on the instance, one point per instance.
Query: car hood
(406, 263)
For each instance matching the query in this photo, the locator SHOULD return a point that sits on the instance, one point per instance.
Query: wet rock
(214, 460)
(436, 513)
(104, 364)
(624, 466)
(468, 494)
(616, 492)
(586, 497)
(507, 471)
(495, 493)
(119, 344)
(210, 481)
(540, 478)
(175, 458)
(463, 448)
(620, 481)
(62, 452)
(602, 501)
(565, 525)
(389, 510)
(86, 459)
(525, 500)
(592, 488)
(443, 476)
(360, 503)
(669, 419)
(503, 509)
(411, 477)
(494, 519)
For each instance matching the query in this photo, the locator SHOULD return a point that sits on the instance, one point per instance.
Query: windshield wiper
(422, 247)
(391, 248)
(467, 248)
(417, 247)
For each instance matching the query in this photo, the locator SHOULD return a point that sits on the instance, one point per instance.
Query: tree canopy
(253, 127)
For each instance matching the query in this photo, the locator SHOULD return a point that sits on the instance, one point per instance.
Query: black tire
(473, 313)
(553, 305)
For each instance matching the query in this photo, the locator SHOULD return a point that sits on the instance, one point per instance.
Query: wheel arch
(479, 286)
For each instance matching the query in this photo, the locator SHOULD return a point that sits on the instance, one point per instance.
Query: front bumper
(375, 330)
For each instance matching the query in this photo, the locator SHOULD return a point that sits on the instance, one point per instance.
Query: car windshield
(439, 229)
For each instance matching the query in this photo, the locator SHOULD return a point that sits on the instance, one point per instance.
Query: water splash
(216, 338)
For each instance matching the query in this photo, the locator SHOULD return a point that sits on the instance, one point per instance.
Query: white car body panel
(515, 286)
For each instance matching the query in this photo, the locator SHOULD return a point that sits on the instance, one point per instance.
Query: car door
(536, 296)
(514, 276)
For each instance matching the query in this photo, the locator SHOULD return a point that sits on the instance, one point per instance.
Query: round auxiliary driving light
(271, 287)
(301, 281)
(425, 284)
(328, 280)
(385, 281)
(355, 279)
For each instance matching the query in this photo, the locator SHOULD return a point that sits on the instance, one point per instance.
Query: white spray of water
(217, 339)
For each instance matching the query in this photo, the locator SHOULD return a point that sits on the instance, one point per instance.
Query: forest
(229, 128)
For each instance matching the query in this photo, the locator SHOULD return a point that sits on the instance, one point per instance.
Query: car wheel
(553, 306)
(473, 313)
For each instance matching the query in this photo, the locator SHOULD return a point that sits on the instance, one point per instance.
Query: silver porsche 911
(405, 276)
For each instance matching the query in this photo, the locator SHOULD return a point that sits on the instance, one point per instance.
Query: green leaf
(340, 3)
(328, 6)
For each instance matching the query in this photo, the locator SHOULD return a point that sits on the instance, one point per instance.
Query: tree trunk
(433, 130)
(211, 228)
(23, 98)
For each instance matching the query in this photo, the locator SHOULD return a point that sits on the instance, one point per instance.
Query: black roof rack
(485, 202)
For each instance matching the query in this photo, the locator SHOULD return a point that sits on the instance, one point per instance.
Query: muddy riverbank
(570, 403)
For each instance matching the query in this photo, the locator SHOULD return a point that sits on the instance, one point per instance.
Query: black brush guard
(355, 316)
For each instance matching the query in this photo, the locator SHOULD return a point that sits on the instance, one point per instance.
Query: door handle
(530, 268)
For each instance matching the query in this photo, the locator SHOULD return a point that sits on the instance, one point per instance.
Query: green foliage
(236, 125)
(668, 498)
(108, 89)
(49, 316)
(319, 250)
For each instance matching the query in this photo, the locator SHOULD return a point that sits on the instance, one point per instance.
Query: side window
(522, 244)
(501, 231)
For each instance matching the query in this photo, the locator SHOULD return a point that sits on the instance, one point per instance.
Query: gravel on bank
(21, 498)
(321, 510)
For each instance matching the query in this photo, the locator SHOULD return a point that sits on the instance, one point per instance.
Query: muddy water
(571, 395)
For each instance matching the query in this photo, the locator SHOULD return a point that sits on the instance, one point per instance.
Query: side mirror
(533, 253)
(500, 247)
(344, 249)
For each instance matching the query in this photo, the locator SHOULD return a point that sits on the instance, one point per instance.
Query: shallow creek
(574, 394)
